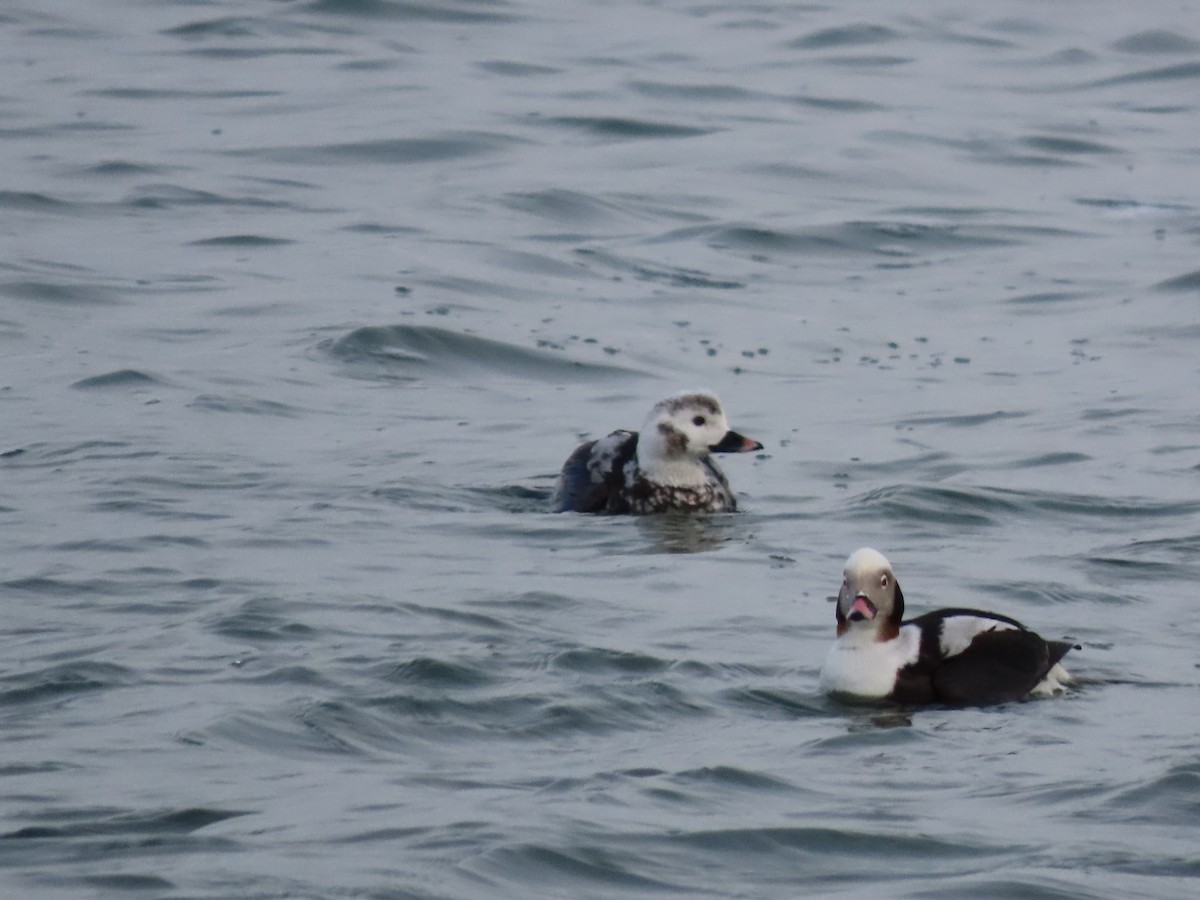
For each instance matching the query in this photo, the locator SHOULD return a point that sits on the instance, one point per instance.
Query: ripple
(435, 673)
(59, 293)
(706, 93)
(513, 69)
(1047, 298)
(1095, 506)
(242, 241)
(568, 207)
(1181, 72)
(893, 239)
(56, 455)
(605, 661)
(967, 420)
(121, 169)
(129, 882)
(129, 545)
(1156, 41)
(1172, 553)
(457, 617)
(262, 620)
(171, 196)
(618, 128)
(413, 352)
(1041, 594)
(839, 104)
(32, 201)
(226, 27)
(63, 681)
(63, 587)
(1067, 146)
(845, 36)
(735, 777)
(801, 860)
(778, 703)
(904, 852)
(590, 709)
(514, 498)
(389, 151)
(576, 866)
(1168, 799)
(90, 823)
(1188, 282)
(645, 271)
(296, 735)
(254, 406)
(121, 378)
(914, 504)
(173, 94)
(451, 11)
(1063, 458)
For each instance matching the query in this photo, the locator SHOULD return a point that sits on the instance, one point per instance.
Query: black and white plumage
(666, 467)
(955, 657)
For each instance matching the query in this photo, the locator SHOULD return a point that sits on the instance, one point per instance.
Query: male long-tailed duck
(956, 657)
(667, 467)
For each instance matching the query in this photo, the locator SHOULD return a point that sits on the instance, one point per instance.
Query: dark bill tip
(861, 609)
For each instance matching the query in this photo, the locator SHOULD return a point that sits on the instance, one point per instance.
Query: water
(302, 304)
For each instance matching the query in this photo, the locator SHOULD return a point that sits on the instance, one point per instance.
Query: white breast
(867, 669)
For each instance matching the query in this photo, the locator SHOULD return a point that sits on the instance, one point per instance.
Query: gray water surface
(303, 304)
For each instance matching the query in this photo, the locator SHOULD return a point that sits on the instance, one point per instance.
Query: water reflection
(690, 533)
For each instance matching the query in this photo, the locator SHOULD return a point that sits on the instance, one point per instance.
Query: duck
(949, 657)
(667, 466)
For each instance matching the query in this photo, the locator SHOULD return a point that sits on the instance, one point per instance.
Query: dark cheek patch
(676, 440)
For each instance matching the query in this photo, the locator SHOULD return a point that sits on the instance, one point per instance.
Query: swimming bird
(665, 467)
(955, 657)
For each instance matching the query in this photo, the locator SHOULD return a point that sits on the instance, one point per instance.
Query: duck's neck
(680, 471)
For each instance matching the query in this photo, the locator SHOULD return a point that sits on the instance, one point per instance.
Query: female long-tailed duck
(956, 657)
(667, 467)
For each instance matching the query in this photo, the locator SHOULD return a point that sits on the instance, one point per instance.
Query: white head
(679, 432)
(870, 601)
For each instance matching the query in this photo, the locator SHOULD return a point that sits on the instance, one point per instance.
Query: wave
(413, 352)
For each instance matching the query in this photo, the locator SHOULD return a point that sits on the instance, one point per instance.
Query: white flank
(959, 631)
(1055, 682)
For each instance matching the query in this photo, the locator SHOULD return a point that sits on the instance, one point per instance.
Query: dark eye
(883, 581)
(698, 421)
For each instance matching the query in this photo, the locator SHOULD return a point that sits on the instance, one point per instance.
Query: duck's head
(682, 429)
(870, 601)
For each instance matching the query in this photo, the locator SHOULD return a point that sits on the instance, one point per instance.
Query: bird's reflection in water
(689, 532)
(868, 715)
(891, 719)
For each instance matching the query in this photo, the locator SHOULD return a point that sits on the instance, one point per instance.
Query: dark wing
(592, 477)
(997, 666)
(1059, 649)
(914, 685)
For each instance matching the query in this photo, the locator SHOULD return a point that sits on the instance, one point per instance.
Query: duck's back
(593, 479)
(970, 657)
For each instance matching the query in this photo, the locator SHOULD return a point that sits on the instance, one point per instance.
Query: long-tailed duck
(956, 657)
(667, 468)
